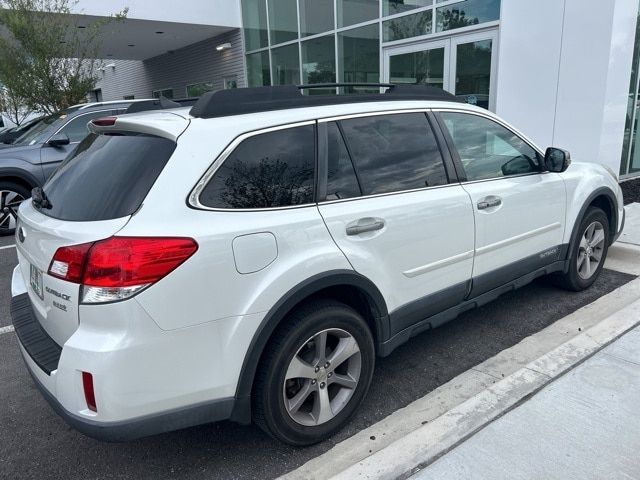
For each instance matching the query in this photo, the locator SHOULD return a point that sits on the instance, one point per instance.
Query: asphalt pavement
(36, 444)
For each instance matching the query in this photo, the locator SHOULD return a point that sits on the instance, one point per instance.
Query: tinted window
(487, 149)
(106, 177)
(77, 129)
(394, 152)
(274, 169)
(341, 177)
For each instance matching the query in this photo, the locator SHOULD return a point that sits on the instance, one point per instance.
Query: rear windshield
(106, 177)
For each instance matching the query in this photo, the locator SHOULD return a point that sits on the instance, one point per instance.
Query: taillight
(119, 267)
(104, 121)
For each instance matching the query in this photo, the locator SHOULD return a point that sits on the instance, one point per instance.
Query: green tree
(47, 55)
(13, 106)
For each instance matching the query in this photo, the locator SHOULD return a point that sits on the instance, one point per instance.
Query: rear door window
(106, 177)
(268, 170)
(341, 177)
(394, 152)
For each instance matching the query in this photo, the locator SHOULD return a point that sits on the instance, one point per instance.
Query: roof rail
(240, 101)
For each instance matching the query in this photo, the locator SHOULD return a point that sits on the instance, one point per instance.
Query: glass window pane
(319, 61)
(77, 128)
(409, 26)
(464, 14)
(394, 152)
(630, 153)
(316, 16)
(391, 7)
(487, 149)
(418, 68)
(199, 89)
(473, 72)
(273, 169)
(359, 52)
(341, 177)
(258, 69)
(254, 21)
(166, 93)
(283, 21)
(351, 12)
(285, 64)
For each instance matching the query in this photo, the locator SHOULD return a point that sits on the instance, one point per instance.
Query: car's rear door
(519, 208)
(391, 208)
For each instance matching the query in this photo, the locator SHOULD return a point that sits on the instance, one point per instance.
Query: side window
(487, 149)
(274, 169)
(341, 177)
(394, 152)
(77, 129)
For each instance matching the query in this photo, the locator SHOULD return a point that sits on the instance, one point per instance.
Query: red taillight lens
(118, 267)
(68, 262)
(133, 261)
(89, 394)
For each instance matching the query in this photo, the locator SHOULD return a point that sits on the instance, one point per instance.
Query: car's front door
(76, 129)
(390, 208)
(519, 208)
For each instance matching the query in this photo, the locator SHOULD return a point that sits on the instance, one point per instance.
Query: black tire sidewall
(278, 421)
(592, 215)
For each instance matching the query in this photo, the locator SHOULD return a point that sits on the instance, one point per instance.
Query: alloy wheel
(322, 377)
(9, 203)
(590, 250)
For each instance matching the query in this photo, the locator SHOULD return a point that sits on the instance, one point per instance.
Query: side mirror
(59, 140)
(557, 160)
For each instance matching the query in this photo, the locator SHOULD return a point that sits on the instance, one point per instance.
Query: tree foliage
(13, 105)
(47, 55)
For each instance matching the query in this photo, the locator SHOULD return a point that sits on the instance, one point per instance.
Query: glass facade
(630, 152)
(319, 41)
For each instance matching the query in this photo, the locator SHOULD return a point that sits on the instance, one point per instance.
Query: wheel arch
(603, 198)
(19, 176)
(345, 285)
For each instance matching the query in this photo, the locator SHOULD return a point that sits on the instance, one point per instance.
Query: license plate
(36, 281)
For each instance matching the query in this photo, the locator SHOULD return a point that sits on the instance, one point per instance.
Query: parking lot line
(8, 329)
(7, 246)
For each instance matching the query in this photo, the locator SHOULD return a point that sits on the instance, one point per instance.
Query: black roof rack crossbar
(224, 103)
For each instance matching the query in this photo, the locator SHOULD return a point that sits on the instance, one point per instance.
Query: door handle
(489, 203)
(365, 225)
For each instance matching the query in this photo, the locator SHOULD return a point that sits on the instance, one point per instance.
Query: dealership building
(565, 72)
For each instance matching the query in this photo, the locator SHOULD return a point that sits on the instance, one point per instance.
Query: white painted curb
(426, 444)
(8, 329)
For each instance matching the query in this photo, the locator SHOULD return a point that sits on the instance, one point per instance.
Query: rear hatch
(90, 197)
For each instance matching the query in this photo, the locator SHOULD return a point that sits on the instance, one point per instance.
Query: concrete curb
(426, 444)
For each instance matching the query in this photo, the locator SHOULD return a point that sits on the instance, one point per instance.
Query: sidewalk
(585, 425)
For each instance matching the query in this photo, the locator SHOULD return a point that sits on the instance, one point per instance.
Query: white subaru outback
(250, 258)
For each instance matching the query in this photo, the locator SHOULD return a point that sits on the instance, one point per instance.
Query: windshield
(32, 136)
(106, 177)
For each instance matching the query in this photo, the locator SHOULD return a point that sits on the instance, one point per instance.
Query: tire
(583, 271)
(11, 195)
(295, 410)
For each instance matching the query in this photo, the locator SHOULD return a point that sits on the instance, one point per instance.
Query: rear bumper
(142, 386)
(140, 427)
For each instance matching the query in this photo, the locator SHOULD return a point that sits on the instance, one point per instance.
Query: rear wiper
(40, 199)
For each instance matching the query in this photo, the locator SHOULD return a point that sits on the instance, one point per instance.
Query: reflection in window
(407, 26)
(473, 72)
(630, 151)
(285, 64)
(394, 153)
(391, 7)
(419, 68)
(199, 89)
(359, 53)
(258, 74)
(166, 93)
(319, 62)
(316, 16)
(489, 150)
(274, 169)
(283, 21)
(341, 177)
(351, 12)
(254, 21)
(467, 13)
